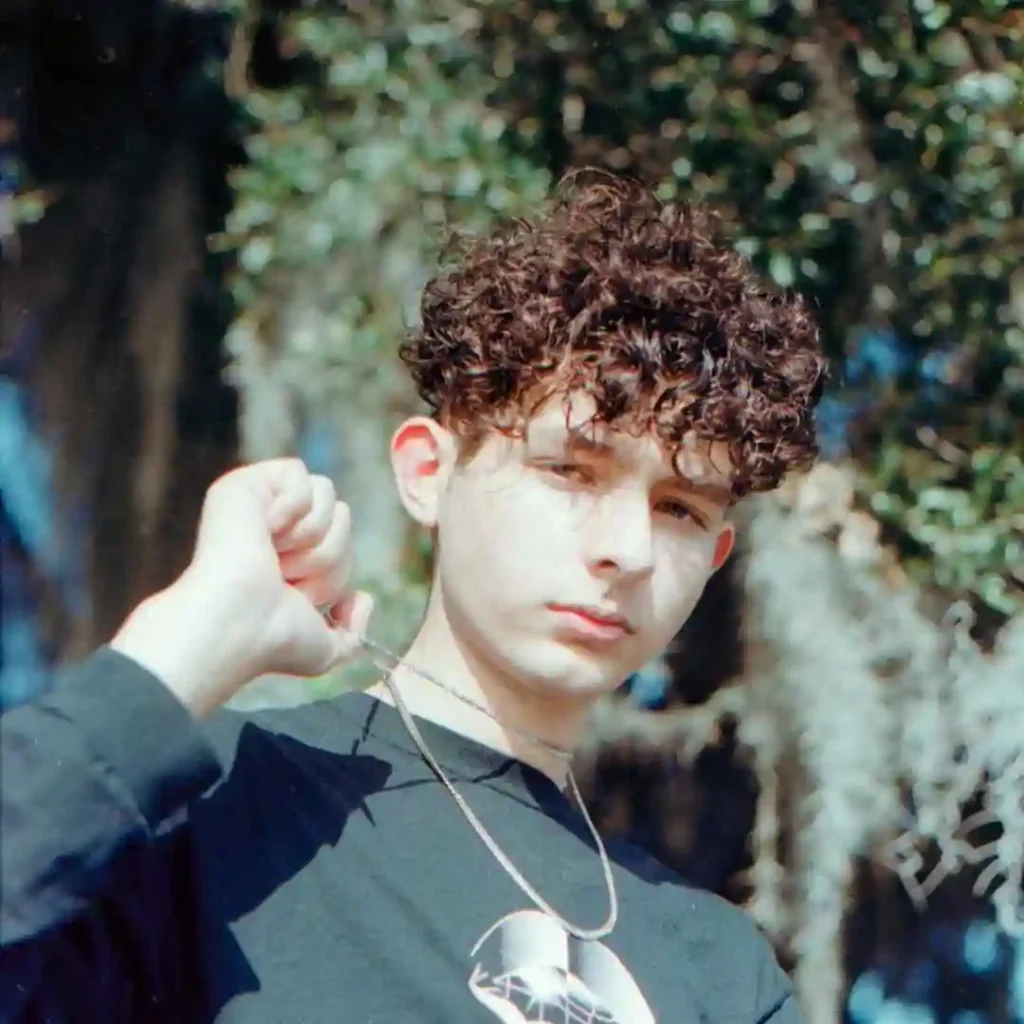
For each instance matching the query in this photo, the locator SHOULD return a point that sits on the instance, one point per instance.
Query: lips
(588, 623)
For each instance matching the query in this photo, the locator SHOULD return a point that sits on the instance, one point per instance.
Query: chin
(582, 691)
(566, 672)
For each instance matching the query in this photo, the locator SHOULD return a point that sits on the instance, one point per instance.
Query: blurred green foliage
(869, 153)
(381, 140)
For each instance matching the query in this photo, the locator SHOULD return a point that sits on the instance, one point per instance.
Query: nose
(618, 536)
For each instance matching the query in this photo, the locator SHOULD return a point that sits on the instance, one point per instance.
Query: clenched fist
(273, 550)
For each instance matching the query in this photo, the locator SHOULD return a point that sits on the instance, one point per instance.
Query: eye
(570, 471)
(677, 510)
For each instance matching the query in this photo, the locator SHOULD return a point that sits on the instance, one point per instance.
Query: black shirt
(305, 866)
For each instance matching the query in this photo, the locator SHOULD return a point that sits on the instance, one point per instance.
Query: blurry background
(215, 219)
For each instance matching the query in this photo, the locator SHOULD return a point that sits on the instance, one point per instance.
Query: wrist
(183, 641)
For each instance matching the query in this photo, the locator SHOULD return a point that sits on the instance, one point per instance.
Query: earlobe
(422, 452)
(724, 545)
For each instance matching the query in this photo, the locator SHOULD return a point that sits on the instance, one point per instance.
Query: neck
(509, 711)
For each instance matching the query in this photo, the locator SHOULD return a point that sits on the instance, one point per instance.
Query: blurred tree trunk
(120, 127)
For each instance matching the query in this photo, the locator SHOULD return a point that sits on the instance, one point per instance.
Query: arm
(96, 765)
(782, 1010)
(87, 777)
(777, 1002)
(92, 876)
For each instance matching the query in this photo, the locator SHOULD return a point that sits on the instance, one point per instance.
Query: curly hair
(637, 302)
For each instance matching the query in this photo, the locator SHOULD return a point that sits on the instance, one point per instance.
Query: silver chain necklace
(387, 662)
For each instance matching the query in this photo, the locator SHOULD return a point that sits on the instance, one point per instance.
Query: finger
(322, 591)
(351, 617)
(309, 529)
(332, 557)
(291, 486)
(234, 513)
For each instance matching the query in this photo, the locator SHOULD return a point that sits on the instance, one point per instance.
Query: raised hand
(273, 554)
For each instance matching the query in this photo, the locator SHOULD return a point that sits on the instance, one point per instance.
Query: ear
(724, 544)
(422, 457)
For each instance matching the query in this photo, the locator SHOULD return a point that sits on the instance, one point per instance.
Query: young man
(604, 383)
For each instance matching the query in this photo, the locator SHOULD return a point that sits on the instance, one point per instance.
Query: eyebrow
(577, 439)
(716, 494)
(710, 491)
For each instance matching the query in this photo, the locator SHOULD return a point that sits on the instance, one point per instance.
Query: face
(566, 559)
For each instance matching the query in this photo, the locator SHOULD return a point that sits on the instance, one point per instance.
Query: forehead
(569, 420)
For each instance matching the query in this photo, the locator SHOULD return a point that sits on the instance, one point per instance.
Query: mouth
(592, 624)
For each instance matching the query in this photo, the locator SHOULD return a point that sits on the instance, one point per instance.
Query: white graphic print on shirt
(528, 969)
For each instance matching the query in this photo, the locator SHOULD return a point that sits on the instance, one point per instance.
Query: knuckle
(334, 549)
(291, 477)
(282, 470)
(323, 485)
(323, 501)
(339, 576)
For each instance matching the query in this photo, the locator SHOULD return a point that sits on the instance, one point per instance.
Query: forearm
(179, 639)
(102, 759)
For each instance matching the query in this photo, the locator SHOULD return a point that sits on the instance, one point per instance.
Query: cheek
(681, 575)
(510, 518)
(486, 554)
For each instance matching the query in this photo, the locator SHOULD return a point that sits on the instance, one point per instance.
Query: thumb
(350, 619)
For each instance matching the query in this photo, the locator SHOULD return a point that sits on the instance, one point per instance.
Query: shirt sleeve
(777, 1003)
(90, 778)
(783, 1011)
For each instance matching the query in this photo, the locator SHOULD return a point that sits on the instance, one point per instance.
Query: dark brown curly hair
(637, 302)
